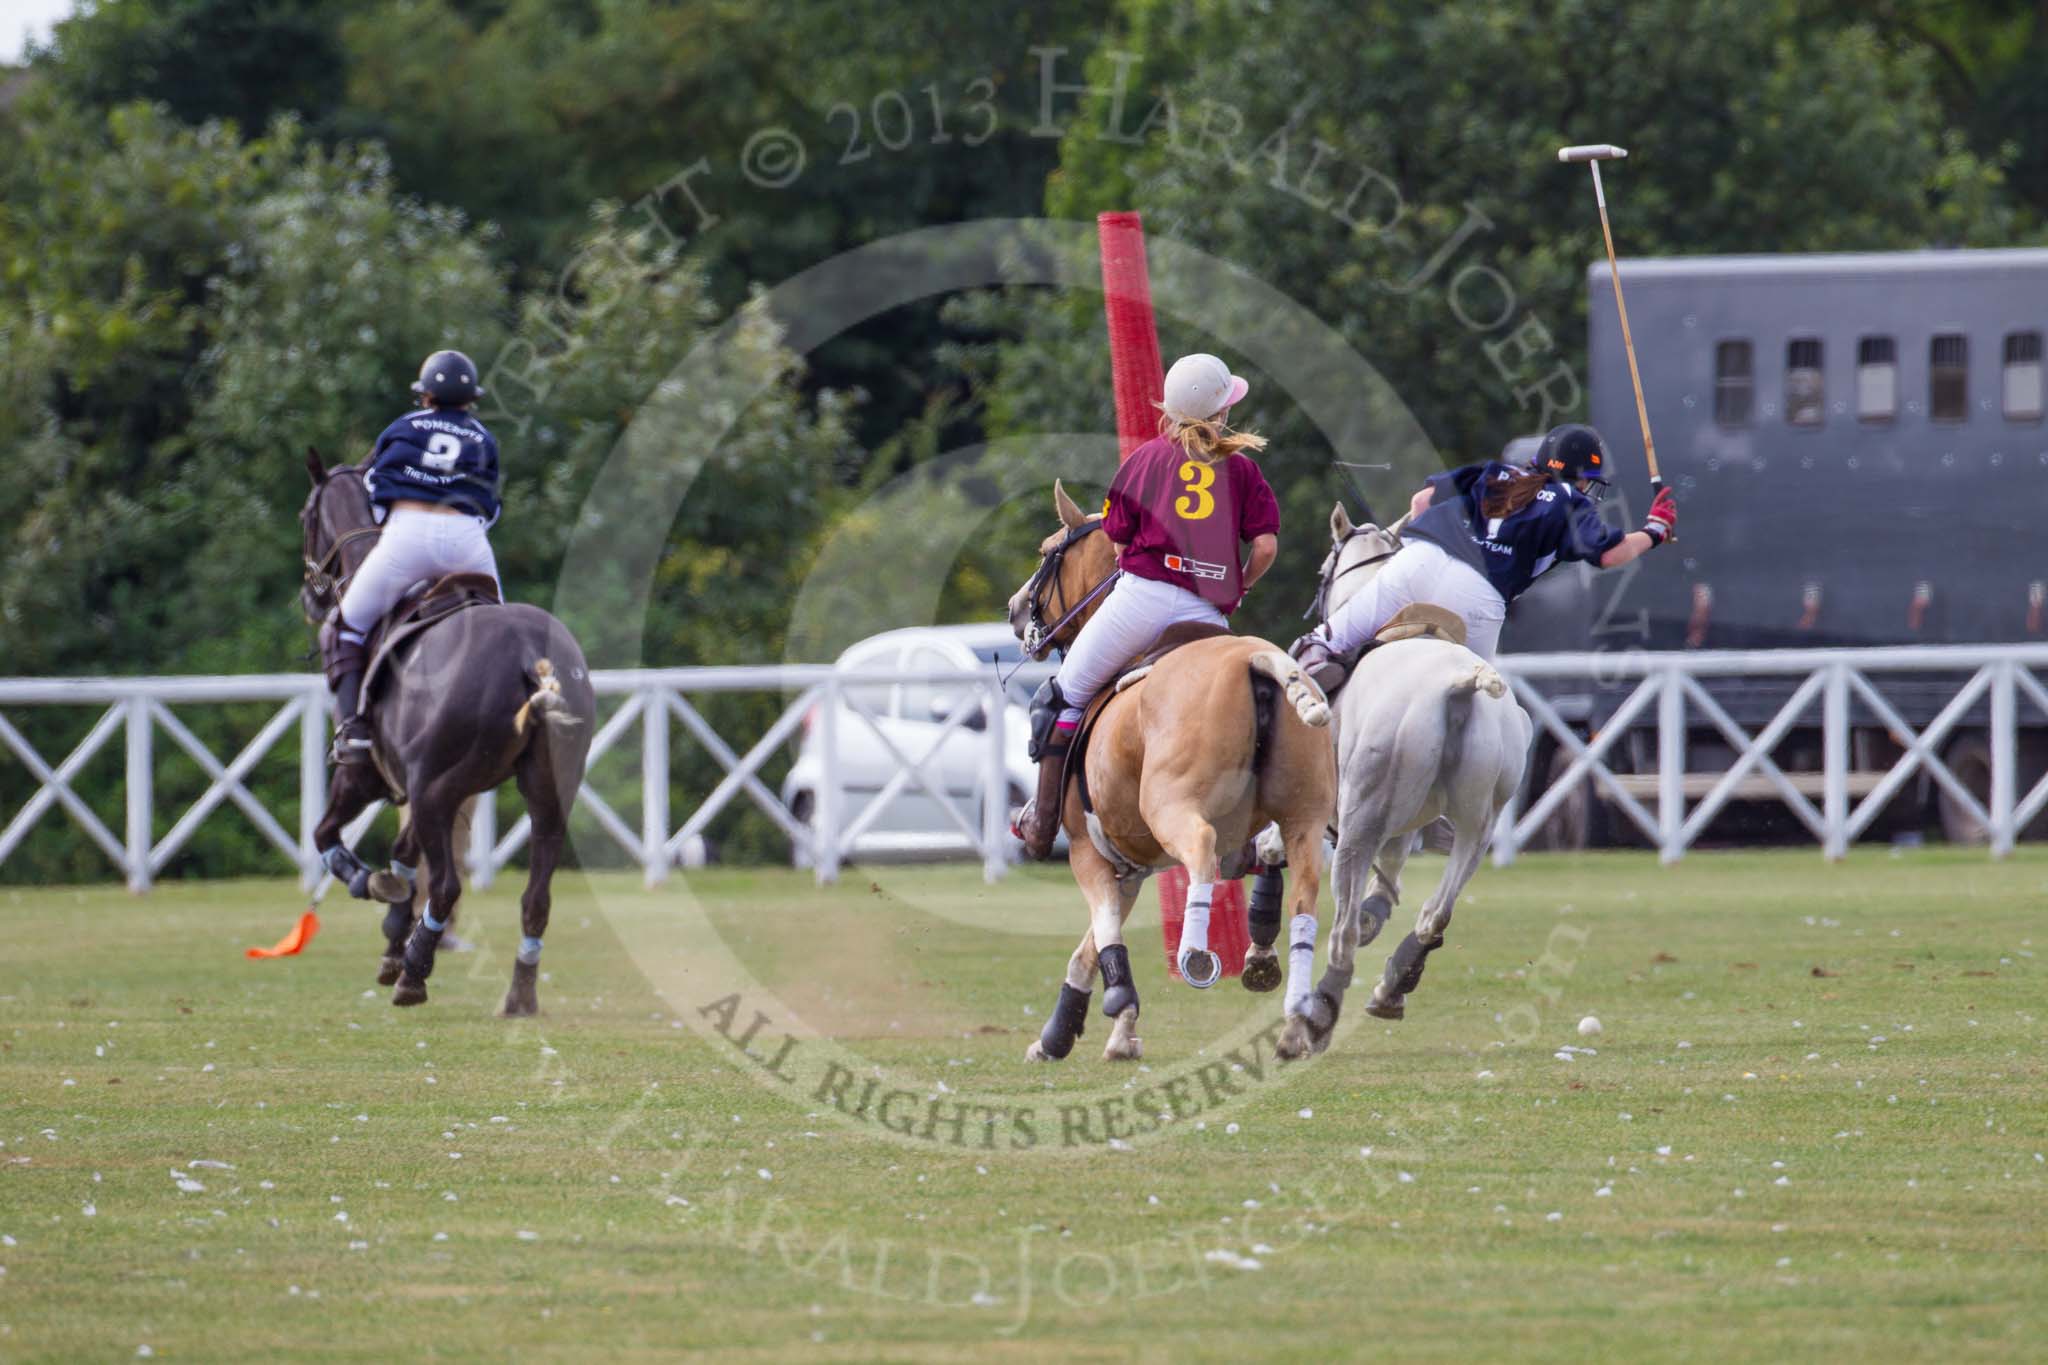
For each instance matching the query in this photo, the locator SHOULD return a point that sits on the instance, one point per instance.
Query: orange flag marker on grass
(294, 943)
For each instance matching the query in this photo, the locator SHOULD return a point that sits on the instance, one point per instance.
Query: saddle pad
(1420, 620)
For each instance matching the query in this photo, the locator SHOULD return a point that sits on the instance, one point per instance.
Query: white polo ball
(1588, 1027)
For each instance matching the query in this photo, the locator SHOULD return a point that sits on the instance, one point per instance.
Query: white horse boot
(1198, 966)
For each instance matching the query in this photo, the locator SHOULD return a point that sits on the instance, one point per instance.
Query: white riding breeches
(1421, 572)
(1127, 623)
(414, 545)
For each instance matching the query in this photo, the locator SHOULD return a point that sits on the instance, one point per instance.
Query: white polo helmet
(1200, 386)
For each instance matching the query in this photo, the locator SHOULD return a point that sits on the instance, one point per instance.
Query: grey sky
(18, 18)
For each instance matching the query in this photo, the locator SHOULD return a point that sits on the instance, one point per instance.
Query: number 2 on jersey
(1199, 502)
(443, 451)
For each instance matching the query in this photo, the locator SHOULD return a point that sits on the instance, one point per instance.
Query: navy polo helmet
(448, 377)
(1572, 452)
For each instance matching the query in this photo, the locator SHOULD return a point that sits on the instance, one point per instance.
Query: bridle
(320, 579)
(1331, 573)
(1042, 585)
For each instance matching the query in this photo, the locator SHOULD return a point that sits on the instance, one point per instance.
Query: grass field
(1812, 1127)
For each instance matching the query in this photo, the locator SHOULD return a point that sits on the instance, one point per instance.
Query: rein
(319, 578)
(1332, 574)
(1038, 636)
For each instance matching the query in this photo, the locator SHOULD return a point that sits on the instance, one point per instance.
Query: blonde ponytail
(1208, 439)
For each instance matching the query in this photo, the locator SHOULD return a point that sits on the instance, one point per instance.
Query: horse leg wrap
(1267, 890)
(397, 924)
(1119, 991)
(1069, 1021)
(1301, 960)
(1199, 967)
(1372, 917)
(348, 869)
(420, 948)
(529, 951)
(1404, 967)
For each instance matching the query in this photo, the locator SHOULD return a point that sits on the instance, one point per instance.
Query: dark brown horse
(486, 694)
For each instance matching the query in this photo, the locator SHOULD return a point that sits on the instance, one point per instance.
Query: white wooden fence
(1825, 684)
(1669, 696)
(139, 708)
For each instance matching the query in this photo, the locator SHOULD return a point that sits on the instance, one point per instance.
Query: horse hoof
(1296, 1042)
(1132, 1051)
(1037, 1053)
(1261, 972)
(1200, 968)
(409, 991)
(389, 968)
(387, 886)
(1388, 1009)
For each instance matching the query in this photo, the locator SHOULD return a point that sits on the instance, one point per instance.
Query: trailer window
(1877, 379)
(1948, 378)
(2023, 376)
(1805, 390)
(1734, 384)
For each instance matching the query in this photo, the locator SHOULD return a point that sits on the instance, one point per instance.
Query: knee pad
(1046, 704)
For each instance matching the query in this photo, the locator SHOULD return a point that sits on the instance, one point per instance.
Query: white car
(912, 713)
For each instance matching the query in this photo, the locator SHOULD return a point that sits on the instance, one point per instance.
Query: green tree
(1753, 130)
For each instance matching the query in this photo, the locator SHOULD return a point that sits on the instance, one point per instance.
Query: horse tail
(547, 704)
(1481, 677)
(1302, 694)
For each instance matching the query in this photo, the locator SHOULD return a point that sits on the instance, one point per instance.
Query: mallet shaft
(1628, 342)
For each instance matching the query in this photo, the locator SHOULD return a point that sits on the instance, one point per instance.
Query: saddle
(1416, 621)
(426, 603)
(1419, 621)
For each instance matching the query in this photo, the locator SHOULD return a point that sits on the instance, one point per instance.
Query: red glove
(1662, 522)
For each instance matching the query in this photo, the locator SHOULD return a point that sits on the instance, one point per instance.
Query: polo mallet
(1593, 156)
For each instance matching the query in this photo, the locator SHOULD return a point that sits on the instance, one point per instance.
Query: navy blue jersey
(1513, 552)
(439, 455)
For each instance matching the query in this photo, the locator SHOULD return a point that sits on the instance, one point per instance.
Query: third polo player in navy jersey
(432, 477)
(1479, 536)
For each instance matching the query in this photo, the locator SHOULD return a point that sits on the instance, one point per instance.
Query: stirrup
(352, 743)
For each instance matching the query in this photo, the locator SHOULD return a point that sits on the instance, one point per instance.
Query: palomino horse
(1178, 767)
(486, 694)
(1425, 729)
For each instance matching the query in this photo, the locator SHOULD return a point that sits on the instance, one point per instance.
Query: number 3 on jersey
(443, 451)
(1199, 502)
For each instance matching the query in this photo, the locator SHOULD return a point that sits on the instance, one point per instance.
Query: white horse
(1425, 729)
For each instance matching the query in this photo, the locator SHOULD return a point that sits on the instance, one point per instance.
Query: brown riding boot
(1325, 668)
(1038, 824)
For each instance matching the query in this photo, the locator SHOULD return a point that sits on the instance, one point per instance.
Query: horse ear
(314, 467)
(1071, 516)
(1340, 523)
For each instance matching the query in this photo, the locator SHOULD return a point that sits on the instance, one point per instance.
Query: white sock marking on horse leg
(1301, 961)
(1194, 924)
(1108, 920)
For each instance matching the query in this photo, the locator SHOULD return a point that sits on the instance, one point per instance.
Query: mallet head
(1596, 152)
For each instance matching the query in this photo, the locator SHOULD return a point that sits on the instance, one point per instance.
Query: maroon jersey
(1183, 521)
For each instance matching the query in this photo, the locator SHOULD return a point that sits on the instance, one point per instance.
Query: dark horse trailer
(1858, 449)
